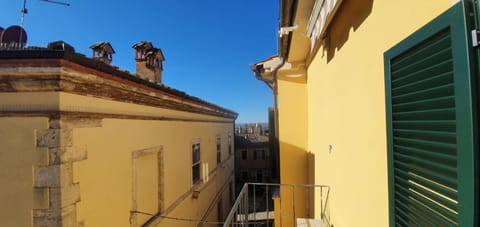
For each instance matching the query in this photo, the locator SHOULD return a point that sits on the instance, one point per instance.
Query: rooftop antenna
(25, 11)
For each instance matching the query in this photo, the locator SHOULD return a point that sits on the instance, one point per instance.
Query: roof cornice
(80, 75)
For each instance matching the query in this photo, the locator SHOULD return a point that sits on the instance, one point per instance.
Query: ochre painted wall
(292, 102)
(19, 155)
(346, 105)
(105, 176)
(110, 132)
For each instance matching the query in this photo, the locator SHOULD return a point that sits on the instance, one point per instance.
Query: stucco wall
(293, 139)
(292, 102)
(346, 105)
(19, 155)
(75, 152)
(106, 175)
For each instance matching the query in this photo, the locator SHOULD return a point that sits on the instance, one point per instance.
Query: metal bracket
(475, 37)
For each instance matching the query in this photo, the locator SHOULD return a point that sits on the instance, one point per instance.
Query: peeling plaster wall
(19, 155)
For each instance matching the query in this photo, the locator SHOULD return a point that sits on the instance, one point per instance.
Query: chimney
(149, 61)
(62, 46)
(102, 51)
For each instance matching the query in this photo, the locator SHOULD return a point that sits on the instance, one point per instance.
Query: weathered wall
(19, 155)
(106, 176)
(104, 173)
(346, 105)
(86, 148)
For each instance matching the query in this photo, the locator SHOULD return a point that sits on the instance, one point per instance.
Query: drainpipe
(275, 112)
(258, 71)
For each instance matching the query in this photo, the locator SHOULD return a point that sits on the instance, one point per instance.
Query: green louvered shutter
(430, 120)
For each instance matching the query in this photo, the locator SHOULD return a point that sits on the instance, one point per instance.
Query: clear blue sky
(208, 45)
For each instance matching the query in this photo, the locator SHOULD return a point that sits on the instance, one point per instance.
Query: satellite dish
(14, 34)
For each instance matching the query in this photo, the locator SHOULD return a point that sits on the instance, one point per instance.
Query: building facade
(86, 144)
(252, 161)
(256, 159)
(358, 115)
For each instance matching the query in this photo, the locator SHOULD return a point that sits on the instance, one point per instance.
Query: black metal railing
(263, 204)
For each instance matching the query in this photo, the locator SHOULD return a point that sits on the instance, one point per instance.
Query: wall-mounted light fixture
(285, 30)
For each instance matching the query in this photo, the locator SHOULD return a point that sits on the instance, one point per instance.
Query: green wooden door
(432, 124)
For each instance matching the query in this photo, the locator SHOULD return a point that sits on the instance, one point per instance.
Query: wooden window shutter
(431, 125)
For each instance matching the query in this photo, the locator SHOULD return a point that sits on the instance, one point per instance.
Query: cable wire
(177, 218)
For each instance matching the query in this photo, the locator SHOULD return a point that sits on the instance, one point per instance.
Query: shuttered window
(430, 125)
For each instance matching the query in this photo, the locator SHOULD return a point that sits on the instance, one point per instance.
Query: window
(260, 175)
(244, 175)
(219, 150)
(244, 155)
(253, 176)
(195, 163)
(259, 155)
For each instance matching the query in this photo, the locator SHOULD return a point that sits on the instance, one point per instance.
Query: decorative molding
(158, 151)
(43, 75)
(52, 114)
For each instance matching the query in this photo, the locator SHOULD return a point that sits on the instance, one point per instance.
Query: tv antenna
(25, 11)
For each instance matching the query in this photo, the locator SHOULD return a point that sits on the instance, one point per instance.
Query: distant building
(83, 143)
(251, 161)
(256, 160)
(252, 130)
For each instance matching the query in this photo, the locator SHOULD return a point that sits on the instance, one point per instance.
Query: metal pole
(280, 190)
(307, 204)
(321, 203)
(254, 204)
(24, 11)
(56, 2)
(246, 205)
(293, 205)
(266, 198)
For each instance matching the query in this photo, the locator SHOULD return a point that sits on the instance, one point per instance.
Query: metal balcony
(265, 204)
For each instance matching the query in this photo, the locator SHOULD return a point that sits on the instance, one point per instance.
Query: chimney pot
(103, 51)
(149, 61)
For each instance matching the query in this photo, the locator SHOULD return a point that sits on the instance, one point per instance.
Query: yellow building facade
(85, 144)
(329, 80)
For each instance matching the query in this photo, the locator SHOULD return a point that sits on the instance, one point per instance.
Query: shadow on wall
(293, 164)
(297, 166)
(350, 15)
(294, 169)
(311, 168)
(311, 180)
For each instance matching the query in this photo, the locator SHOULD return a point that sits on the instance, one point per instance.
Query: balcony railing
(265, 204)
